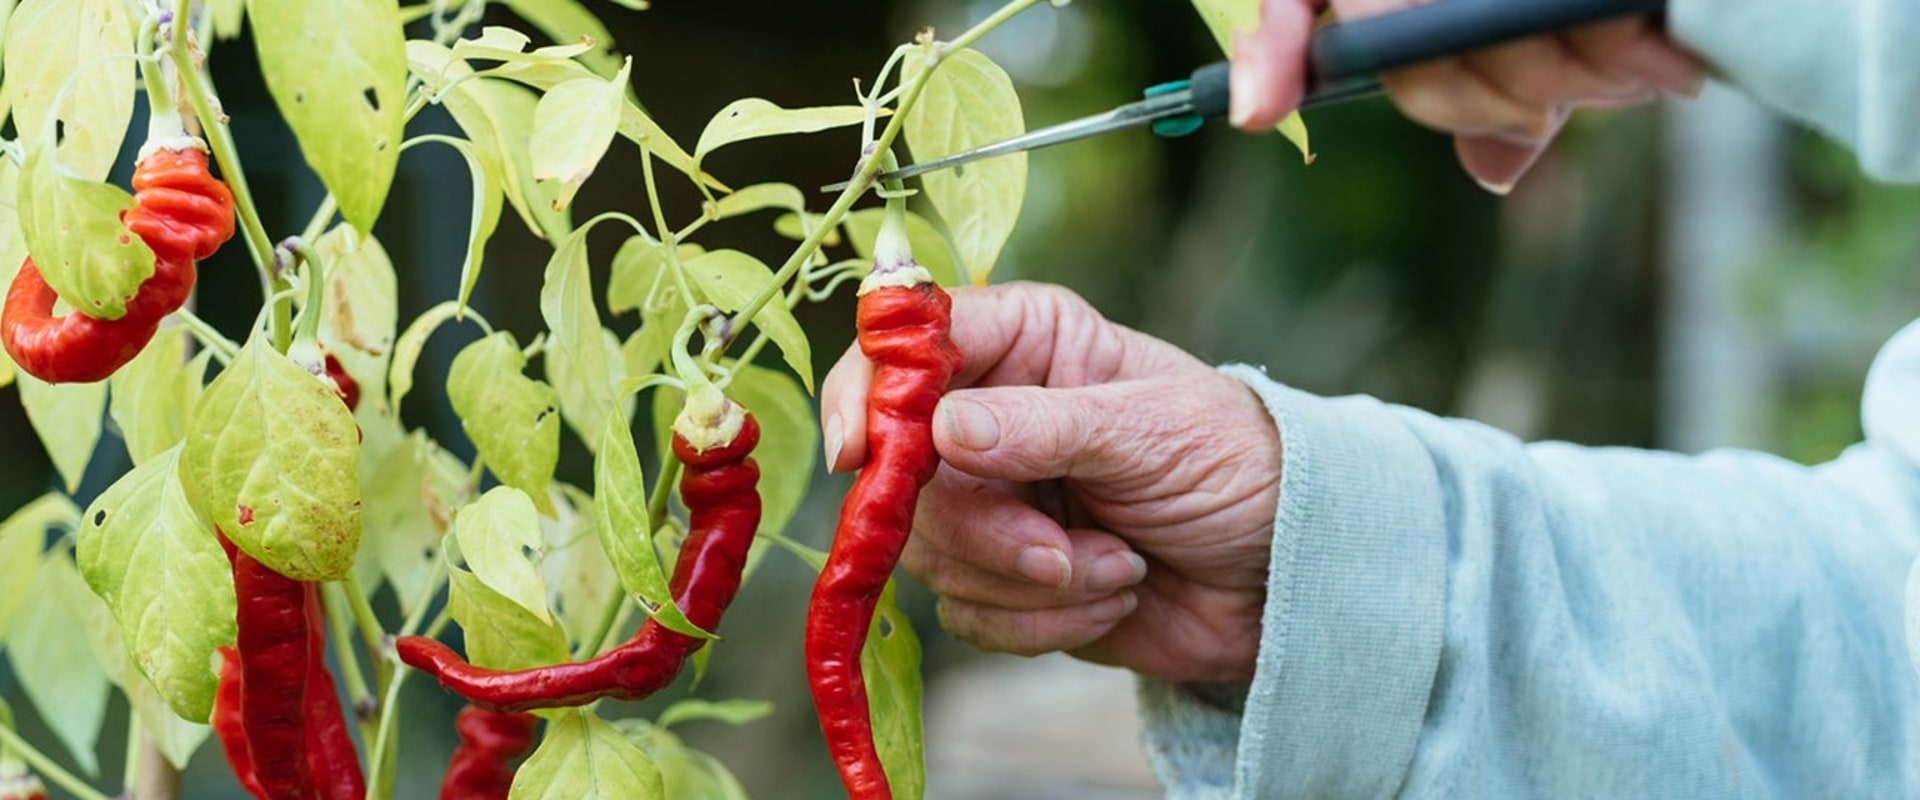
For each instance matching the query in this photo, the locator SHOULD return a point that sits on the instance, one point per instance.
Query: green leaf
(22, 536)
(684, 771)
(626, 533)
(165, 578)
(483, 170)
(410, 495)
(789, 445)
(890, 661)
(337, 71)
(67, 418)
(500, 633)
(1223, 17)
(513, 420)
(55, 663)
(635, 125)
(73, 228)
(228, 17)
(500, 43)
(732, 712)
(759, 197)
(647, 348)
(572, 127)
(584, 758)
(177, 738)
(498, 117)
(798, 228)
(968, 102)
(149, 397)
(580, 580)
(640, 273)
(13, 243)
(580, 361)
(272, 459)
(500, 538)
(71, 60)
(406, 350)
(754, 118)
(567, 22)
(729, 279)
(930, 248)
(363, 298)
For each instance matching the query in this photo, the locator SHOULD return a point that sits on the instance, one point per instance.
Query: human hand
(1101, 492)
(1503, 105)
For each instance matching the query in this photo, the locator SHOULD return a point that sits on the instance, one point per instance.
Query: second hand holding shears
(1343, 62)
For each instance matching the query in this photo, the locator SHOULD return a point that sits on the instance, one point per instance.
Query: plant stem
(155, 777)
(371, 634)
(47, 769)
(339, 621)
(224, 350)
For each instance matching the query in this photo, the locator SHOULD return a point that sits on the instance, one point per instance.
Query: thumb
(1032, 433)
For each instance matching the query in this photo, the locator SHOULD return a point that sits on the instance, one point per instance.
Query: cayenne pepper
(719, 489)
(275, 650)
(331, 759)
(903, 321)
(488, 740)
(183, 214)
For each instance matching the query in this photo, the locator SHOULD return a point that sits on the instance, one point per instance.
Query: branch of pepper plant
(359, 695)
(52, 772)
(869, 167)
(156, 778)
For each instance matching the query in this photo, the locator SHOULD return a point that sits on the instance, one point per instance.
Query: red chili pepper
(903, 321)
(331, 759)
(718, 488)
(25, 786)
(275, 652)
(229, 724)
(343, 384)
(488, 740)
(183, 214)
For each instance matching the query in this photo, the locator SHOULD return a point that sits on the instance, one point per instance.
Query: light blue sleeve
(1848, 67)
(1454, 613)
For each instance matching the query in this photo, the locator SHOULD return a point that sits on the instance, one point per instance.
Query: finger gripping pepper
(183, 214)
(719, 489)
(903, 321)
(488, 741)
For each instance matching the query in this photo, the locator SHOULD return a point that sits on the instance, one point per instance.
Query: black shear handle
(1345, 57)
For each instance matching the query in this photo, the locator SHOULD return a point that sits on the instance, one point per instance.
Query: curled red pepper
(723, 506)
(183, 214)
(488, 741)
(903, 321)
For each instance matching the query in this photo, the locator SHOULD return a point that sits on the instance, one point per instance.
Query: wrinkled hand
(1504, 105)
(1102, 492)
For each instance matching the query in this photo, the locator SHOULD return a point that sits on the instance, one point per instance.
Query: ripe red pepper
(718, 488)
(488, 740)
(343, 384)
(275, 650)
(229, 724)
(25, 786)
(331, 759)
(903, 321)
(183, 214)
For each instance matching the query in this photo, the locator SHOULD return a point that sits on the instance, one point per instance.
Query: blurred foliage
(1380, 268)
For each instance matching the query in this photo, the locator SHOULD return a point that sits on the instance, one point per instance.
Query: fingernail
(835, 437)
(1114, 608)
(1044, 565)
(1115, 571)
(971, 425)
(1240, 80)
(1501, 189)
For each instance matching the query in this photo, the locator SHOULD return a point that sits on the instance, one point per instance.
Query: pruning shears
(1343, 62)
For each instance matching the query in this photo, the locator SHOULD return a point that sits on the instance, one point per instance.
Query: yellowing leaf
(506, 44)
(581, 363)
(968, 102)
(754, 118)
(81, 48)
(580, 580)
(362, 309)
(483, 169)
(149, 401)
(1223, 17)
(730, 279)
(572, 127)
(272, 460)
(67, 418)
(748, 199)
(73, 229)
(410, 495)
(891, 663)
(337, 71)
(498, 117)
(930, 248)
(684, 771)
(496, 534)
(513, 420)
(500, 633)
(164, 577)
(626, 533)
(567, 22)
(406, 349)
(55, 663)
(584, 758)
(635, 125)
(22, 536)
(789, 444)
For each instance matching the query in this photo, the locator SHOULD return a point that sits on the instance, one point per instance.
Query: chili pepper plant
(225, 584)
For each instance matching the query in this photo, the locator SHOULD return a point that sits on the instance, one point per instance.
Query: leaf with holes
(572, 127)
(496, 534)
(71, 60)
(337, 71)
(165, 578)
(272, 460)
(968, 102)
(73, 229)
(513, 420)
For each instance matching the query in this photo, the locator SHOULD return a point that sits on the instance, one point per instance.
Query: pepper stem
(893, 263)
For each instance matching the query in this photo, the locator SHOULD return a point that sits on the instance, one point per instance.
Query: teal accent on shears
(1171, 127)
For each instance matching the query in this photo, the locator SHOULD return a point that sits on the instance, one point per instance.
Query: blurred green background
(1688, 275)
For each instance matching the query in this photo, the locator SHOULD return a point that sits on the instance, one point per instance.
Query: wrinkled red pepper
(489, 740)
